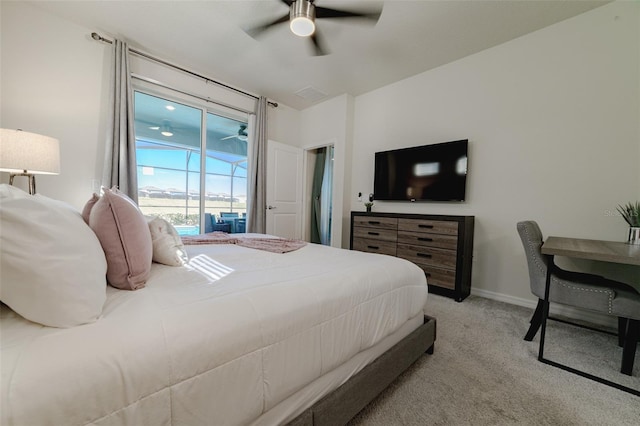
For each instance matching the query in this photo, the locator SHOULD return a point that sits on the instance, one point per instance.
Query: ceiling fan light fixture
(302, 18)
(166, 129)
(302, 26)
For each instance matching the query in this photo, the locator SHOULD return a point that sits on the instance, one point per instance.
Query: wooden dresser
(441, 245)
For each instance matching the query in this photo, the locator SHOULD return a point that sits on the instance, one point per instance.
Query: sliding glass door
(172, 170)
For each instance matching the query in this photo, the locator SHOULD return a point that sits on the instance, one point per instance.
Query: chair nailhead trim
(543, 269)
(610, 293)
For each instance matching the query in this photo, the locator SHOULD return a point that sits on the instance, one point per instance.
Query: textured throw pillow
(167, 245)
(125, 238)
(86, 211)
(52, 268)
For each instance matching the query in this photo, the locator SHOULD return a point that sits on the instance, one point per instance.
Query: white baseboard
(555, 309)
(518, 301)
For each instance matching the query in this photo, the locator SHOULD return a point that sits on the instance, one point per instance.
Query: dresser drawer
(427, 256)
(376, 222)
(429, 239)
(425, 225)
(439, 277)
(374, 246)
(375, 233)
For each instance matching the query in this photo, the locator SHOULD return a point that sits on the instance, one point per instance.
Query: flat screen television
(435, 172)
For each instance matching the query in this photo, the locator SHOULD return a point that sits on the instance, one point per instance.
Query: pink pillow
(125, 238)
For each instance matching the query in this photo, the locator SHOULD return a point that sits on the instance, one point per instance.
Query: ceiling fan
(241, 135)
(302, 16)
(167, 128)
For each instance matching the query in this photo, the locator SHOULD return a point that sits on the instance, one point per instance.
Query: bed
(235, 336)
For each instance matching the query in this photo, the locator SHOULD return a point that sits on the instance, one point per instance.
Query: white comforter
(220, 341)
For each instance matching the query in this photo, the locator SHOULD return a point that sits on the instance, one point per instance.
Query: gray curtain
(120, 152)
(326, 204)
(257, 191)
(321, 194)
(316, 194)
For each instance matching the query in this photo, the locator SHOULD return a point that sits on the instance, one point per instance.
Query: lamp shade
(20, 151)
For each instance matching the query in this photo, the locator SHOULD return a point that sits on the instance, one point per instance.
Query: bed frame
(344, 403)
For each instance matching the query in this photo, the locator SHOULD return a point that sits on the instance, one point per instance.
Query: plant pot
(634, 235)
(368, 209)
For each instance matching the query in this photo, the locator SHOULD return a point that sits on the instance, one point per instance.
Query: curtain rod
(98, 37)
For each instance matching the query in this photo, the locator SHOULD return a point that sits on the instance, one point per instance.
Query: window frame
(204, 108)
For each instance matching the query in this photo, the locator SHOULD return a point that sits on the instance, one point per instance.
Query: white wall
(552, 120)
(52, 83)
(54, 80)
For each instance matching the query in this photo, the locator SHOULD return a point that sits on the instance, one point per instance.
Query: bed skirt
(344, 403)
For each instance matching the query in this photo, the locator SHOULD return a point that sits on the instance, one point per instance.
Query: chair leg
(622, 330)
(536, 321)
(629, 349)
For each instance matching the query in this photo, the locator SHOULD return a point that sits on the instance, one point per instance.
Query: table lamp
(28, 154)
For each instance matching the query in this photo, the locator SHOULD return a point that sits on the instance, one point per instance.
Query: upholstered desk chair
(580, 290)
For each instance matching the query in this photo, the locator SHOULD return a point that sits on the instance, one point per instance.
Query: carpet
(484, 373)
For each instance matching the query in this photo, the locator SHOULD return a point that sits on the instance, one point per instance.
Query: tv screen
(435, 172)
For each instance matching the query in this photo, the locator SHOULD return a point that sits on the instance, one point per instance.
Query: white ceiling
(410, 37)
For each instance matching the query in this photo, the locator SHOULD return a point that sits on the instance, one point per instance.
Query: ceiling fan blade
(257, 31)
(318, 44)
(324, 12)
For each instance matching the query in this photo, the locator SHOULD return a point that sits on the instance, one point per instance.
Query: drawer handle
(424, 239)
(426, 226)
(374, 222)
(373, 233)
(374, 247)
(428, 256)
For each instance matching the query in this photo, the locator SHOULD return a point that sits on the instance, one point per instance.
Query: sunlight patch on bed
(208, 267)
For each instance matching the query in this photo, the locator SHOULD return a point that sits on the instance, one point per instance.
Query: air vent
(311, 94)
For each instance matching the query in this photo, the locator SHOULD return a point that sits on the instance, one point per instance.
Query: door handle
(271, 207)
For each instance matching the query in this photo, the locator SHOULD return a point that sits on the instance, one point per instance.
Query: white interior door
(284, 190)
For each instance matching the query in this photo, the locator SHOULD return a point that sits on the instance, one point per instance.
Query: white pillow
(52, 267)
(167, 244)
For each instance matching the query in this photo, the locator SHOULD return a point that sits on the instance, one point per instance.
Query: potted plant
(368, 206)
(631, 213)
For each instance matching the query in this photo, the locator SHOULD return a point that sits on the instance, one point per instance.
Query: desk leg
(629, 349)
(545, 306)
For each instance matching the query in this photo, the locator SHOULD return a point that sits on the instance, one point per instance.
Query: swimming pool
(187, 229)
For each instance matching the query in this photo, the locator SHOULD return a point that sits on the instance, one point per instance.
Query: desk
(607, 251)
